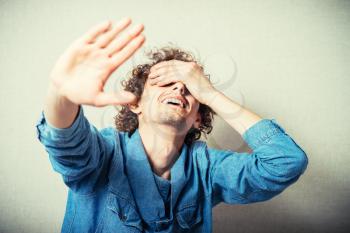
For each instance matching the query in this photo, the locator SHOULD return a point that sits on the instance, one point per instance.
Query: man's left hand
(189, 73)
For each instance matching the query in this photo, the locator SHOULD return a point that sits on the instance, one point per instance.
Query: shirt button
(122, 217)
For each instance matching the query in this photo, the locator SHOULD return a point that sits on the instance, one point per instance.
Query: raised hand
(84, 68)
(189, 73)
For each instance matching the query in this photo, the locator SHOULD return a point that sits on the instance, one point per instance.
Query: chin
(174, 120)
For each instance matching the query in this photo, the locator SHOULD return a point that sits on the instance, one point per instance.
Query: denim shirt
(164, 188)
(112, 186)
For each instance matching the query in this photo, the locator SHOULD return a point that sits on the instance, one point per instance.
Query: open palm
(83, 69)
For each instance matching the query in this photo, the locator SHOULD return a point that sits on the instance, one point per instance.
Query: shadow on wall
(268, 218)
(279, 215)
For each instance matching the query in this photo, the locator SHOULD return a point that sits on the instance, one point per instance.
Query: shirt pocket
(121, 216)
(189, 216)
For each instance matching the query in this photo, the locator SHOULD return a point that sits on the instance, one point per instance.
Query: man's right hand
(84, 68)
(81, 72)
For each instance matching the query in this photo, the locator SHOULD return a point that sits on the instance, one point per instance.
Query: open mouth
(175, 106)
(174, 103)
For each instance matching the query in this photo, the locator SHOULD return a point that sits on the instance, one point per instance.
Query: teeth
(174, 100)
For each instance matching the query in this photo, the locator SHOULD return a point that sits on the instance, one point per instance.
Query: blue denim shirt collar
(142, 182)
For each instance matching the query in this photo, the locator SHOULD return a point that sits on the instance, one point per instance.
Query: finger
(153, 75)
(95, 31)
(166, 70)
(164, 82)
(127, 51)
(170, 75)
(123, 40)
(106, 38)
(164, 64)
(156, 66)
(159, 72)
(118, 98)
(155, 80)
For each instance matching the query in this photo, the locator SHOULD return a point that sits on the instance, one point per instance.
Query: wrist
(209, 96)
(55, 93)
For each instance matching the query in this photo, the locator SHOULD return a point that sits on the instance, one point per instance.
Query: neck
(163, 145)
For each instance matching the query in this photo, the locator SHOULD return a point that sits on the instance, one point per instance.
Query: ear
(198, 121)
(135, 108)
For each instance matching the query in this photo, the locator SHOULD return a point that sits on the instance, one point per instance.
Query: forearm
(79, 152)
(58, 110)
(233, 113)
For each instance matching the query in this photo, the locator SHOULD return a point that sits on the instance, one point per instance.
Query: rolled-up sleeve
(79, 153)
(275, 163)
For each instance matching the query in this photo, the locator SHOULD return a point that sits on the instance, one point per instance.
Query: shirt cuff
(45, 129)
(261, 131)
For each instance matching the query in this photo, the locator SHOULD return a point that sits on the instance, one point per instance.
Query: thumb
(117, 98)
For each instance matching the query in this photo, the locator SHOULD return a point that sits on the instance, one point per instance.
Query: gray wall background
(287, 60)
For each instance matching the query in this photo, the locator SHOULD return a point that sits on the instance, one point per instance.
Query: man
(152, 174)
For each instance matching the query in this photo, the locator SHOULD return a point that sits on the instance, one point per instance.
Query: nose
(179, 86)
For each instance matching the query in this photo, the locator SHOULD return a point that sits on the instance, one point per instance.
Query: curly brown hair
(127, 121)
